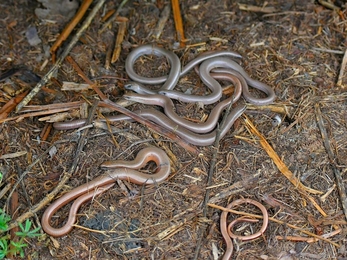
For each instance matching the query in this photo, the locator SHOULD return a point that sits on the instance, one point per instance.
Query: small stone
(32, 36)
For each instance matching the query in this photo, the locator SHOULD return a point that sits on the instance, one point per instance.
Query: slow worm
(169, 107)
(271, 96)
(170, 80)
(174, 74)
(227, 229)
(122, 170)
(214, 64)
(161, 119)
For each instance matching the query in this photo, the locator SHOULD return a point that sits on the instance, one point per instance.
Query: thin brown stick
(40, 113)
(71, 25)
(236, 188)
(108, 55)
(332, 158)
(46, 131)
(165, 14)
(85, 78)
(120, 37)
(309, 239)
(178, 22)
(11, 104)
(74, 104)
(113, 16)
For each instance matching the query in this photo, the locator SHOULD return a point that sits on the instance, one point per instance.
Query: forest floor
(296, 47)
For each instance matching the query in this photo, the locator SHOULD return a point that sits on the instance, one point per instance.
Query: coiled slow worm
(169, 107)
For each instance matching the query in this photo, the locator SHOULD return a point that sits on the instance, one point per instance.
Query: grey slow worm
(214, 64)
(209, 125)
(170, 81)
(169, 107)
(175, 71)
(163, 120)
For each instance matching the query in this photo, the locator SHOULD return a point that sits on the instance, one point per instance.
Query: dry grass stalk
(71, 25)
(258, 9)
(283, 168)
(308, 239)
(120, 37)
(178, 22)
(162, 21)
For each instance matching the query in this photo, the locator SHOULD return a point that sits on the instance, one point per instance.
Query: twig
(108, 55)
(74, 104)
(60, 60)
(309, 239)
(328, 50)
(46, 131)
(39, 113)
(332, 159)
(328, 5)
(85, 78)
(162, 21)
(178, 22)
(11, 104)
(236, 188)
(120, 37)
(113, 16)
(71, 25)
(258, 9)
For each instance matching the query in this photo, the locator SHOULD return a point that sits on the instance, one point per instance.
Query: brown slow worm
(169, 107)
(122, 170)
(226, 229)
